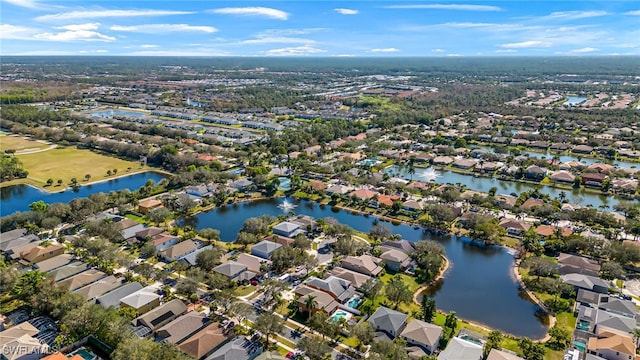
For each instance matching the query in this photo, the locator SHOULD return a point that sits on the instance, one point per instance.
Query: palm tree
(636, 336)
(310, 302)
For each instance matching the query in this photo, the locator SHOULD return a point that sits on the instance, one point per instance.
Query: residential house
(364, 194)
(161, 315)
(79, 280)
(144, 207)
(338, 189)
(395, 260)
(142, 300)
(356, 279)
(148, 233)
(386, 200)
(193, 256)
(412, 206)
(179, 250)
(241, 184)
(41, 253)
(593, 179)
(388, 321)
(575, 264)
(600, 168)
(24, 347)
(164, 240)
(548, 230)
(282, 240)
(204, 341)
(496, 354)
(182, 327)
(236, 349)
(254, 264)
(340, 289)
(535, 172)
(68, 270)
(422, 334)
(442, 160)
(112, 298)
(364, 264)
(61, 356)
(582, 149)
(461, 349)
(54, 262)
(562, 176)
(287, 229)
(9, 246)
(306, 222)
(612, 346)
(322, 301)
(465, 163)
(405, 246)
(515, 228)
(92, 291)
(316, 185)
(621, 307)
(264, 249)
(235, 271)
(128, 228)
(587, 282)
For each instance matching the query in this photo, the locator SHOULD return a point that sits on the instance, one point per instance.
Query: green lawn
(244, 290)
(18, 143)
(67, 163)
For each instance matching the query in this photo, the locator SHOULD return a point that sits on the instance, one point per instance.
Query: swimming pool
(353, 302)
(340, 314)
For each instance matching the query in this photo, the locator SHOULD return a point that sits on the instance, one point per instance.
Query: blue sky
(319, 28)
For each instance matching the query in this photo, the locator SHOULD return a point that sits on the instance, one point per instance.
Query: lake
(506, 187)
(18, 197)
(479, 284)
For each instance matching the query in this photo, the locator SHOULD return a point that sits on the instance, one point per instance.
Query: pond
(479, 284)
(110, 113)
(18, 197)
(506, 187)
(574, 100)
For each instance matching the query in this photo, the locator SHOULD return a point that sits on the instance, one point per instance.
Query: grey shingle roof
(388, 320)
(112, 298)
(460, 349)
(161, 315)
(230, 268)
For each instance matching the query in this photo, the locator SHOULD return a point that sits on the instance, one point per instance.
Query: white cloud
(454, 55)
(288, 32)
(572, 15)
(294, 51)
(77, 35)
(438, 50)
(526, 44)
(164, 28)
(585, 50)
(148, 46)
(253, 11)
(30, 4)
(278, 40)
(80, 27)
(16, 32)
(383, 50)
(506, 51)
(102, 51)
(633, 13)
(461, 7)
(104, 13)
(343, 11)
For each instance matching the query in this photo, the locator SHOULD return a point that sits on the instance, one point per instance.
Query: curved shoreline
(47, 191)
(533, 298)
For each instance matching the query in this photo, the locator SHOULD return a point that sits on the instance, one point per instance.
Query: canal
(506, 187)
(479, 284)
(18, 197)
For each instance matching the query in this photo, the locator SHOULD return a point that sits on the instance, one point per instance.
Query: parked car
(223, 323)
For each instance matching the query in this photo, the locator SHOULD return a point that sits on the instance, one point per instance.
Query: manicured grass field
(67, 163)
(18, 143)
